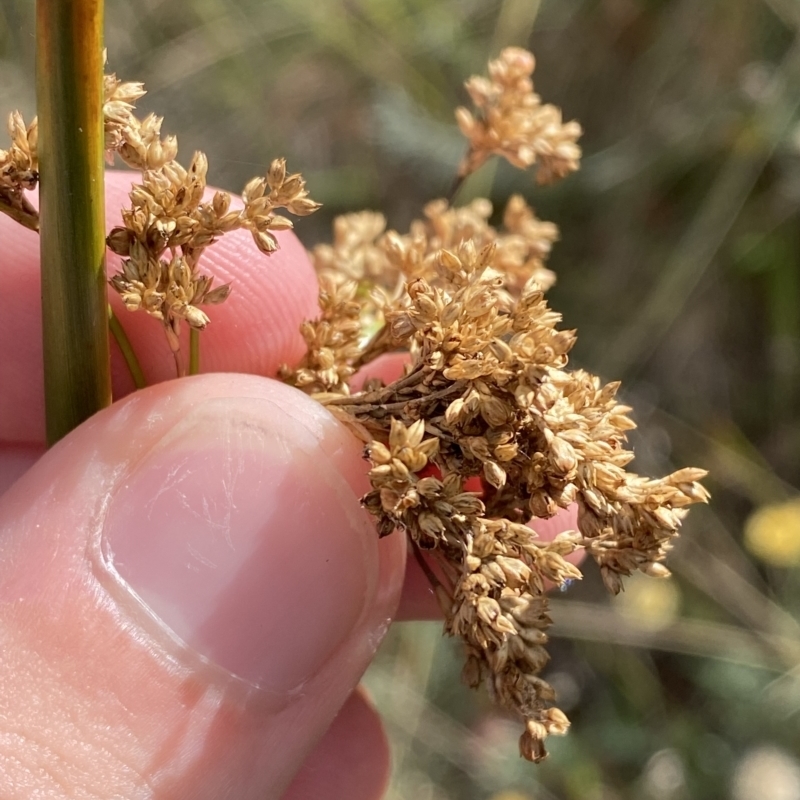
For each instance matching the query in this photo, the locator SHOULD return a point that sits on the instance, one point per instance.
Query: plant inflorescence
(487, 426)
(171, 222)
(486, 393)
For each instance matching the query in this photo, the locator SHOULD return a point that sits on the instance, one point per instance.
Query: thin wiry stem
(443, 596)
(458, 182)
(194, 351)
(121, 338)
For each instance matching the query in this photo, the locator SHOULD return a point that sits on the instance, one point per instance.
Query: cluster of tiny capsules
(485, 428)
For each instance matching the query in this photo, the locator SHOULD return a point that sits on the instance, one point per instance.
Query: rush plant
(485, 427)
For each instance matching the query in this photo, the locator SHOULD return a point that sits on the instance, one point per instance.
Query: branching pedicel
(486, 393)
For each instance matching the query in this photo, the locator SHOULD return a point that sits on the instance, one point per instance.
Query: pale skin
(244, 685)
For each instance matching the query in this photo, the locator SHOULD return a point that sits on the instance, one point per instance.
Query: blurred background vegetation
(679, 266)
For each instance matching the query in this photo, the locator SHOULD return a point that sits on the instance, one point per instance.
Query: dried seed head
(19, 171)
(510, 120)
(170, 223)
(487, 426)
(487, 397)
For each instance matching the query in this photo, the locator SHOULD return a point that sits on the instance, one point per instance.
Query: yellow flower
(649, 604)
(772, 534)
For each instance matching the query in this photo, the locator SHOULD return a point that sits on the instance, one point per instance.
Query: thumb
(189, 591)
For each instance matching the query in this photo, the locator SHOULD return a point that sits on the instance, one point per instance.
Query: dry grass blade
(757, 649)
(722, 205)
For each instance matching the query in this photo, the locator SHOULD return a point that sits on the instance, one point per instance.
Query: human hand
(189, 589)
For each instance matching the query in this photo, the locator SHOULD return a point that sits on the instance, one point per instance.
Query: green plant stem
(121, 338)
(69, 81)
(475, 184)
(194, 351)
(455, 187)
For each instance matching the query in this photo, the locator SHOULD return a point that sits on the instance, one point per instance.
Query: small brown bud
(265, 242)
(218, 295)
(119, 241)
(277, 173)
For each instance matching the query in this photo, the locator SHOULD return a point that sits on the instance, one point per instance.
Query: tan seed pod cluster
(510, 120)
(487, 401)
(137, 142)
(373, 264)
(355, 253)
(364, 251)
(332, 341)
(171, 222)
(486, 428)
(487, 394)
(19, 171)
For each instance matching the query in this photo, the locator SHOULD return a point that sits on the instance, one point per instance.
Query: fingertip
(565, 519)
(15, 461)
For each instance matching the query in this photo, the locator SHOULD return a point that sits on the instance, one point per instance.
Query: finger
(15, 460)
(352, 760)
(189, 592)
(254, 331)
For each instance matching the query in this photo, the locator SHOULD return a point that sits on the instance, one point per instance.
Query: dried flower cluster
(486, 397)
(486, 394)
(366, 268)
(511, 121)
(138, 144)
(362, 250)
(170, 223)
(19, 172)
